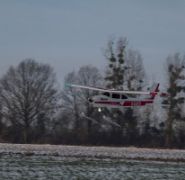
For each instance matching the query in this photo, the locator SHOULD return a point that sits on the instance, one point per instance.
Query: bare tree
(135, 73)
(175, 68)
(75, 101)
(135, 77)
(125, 70)
(88, 75)
(115, 54)
(29, 94)
(70, 100)
(114, 78)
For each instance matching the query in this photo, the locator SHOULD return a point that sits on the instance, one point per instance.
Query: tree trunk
(25, 135)
(89, 123)
(26, 130)
(169, 131)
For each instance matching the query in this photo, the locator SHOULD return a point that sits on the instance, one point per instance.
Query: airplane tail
(153, 91)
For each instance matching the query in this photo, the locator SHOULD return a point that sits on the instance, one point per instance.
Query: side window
(106, 94)
(123, 96)
(116, 96)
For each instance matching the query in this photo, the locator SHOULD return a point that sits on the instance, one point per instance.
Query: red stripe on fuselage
(126, 103)
(136, 103)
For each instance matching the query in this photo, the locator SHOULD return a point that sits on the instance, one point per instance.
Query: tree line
(33, 109)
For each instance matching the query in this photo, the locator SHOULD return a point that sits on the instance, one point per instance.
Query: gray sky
(71, 33)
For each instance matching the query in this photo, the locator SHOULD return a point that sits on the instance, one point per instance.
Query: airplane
(118, 99)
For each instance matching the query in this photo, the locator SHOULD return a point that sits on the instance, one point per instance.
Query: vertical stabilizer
(154, 91)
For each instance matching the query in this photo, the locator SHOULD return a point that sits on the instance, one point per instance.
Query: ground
(129, 153)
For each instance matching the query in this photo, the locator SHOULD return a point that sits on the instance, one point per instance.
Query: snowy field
(79, 162)
(129, 153)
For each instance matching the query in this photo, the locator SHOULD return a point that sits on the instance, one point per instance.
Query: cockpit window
(106, 94)
(124, 97)
(116, 96)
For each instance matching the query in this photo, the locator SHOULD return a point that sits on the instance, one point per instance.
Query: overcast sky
(71, 33)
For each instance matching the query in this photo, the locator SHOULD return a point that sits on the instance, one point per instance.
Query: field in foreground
(129, 153)
(78, 162)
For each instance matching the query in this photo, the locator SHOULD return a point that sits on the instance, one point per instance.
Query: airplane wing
(108, 90)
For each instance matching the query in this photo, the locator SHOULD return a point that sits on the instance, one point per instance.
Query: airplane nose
(90, 100)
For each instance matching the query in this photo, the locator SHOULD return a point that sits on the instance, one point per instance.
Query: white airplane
(118, 99)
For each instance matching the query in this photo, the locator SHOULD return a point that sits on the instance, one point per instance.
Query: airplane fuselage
(118, 102)
(118, 98)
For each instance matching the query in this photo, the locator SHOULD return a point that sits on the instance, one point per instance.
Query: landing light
(99, 109)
